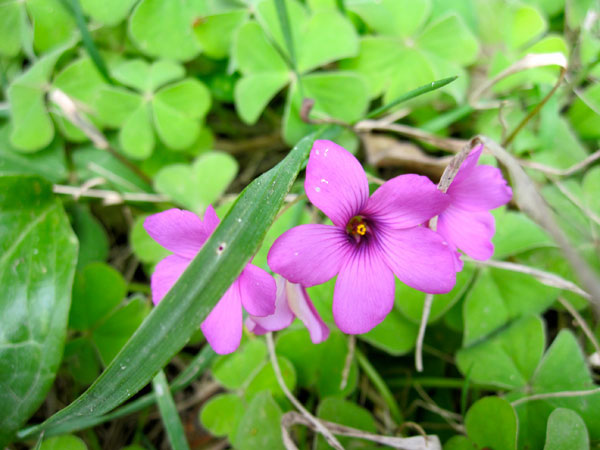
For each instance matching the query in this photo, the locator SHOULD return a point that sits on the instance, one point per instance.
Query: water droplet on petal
(318, 189)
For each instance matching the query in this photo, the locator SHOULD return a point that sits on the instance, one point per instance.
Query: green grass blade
(380, 385)
(446, 119)
(286, 29)
(168, 327)
(200, 362)
(38, 444)
(410, 95)
(74, 8)
(169, 413)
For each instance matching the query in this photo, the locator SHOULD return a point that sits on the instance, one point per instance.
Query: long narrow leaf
(169, 413)
(410, 95)
(286, 29)
(168, 327)
(74, 8)
(200, 362)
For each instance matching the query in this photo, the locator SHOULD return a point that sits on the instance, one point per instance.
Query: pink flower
(292, 301)
(371, 239)
(467, 222)
(184, 233)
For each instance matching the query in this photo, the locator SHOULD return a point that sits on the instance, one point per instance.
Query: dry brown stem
(430, 442)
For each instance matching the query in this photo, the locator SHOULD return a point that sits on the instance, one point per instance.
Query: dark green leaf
(38, 254)
(260, 428)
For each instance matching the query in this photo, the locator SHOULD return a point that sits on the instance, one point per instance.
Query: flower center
(357, 227)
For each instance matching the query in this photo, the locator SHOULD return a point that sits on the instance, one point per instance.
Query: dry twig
(562, 394)
(430, 442)
(547, 278)
(529, 61)
(109, 197)
(450, 144)
(348, 362)
(73, 113)
(582, 323)
(421, 335)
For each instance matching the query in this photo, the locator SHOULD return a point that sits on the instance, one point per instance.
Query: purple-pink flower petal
(420, 258)
(303, 308)
(485, 188)
(223, 326)
(257, 290)
(471, 231)
(180, 231)
(406, 201)
(364, 291)
(166, 273)
(335, 182)
(309, 254)
(280, 319)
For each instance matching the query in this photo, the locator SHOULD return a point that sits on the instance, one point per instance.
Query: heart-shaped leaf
(259, 428)
(254, 53)
(253, 93)
(392, 17)
(144, 77)
(566, 431)
(163, 28)
(503, 360)
(395, 335)
(97, 290)
(178, 109)
(222, 413)
(497, 297)
(54, 24)
(421, 72)
(137, 136)
(108, 12)
(11, 19)
(563, 368)
(64, 442)
(339, 95)
(48, 163)
(199, 185)
(116, 105)
(28, 110)
(346, 413)
(327, 37)
(491, 422)
(526, 24)
(215, 32)
(118, 327)
(376, 61)
(234, 371)
(451, 39)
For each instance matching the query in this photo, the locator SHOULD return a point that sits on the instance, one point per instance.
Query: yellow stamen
(361, 229)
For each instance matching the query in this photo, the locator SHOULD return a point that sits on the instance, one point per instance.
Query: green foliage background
(111, 110)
